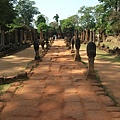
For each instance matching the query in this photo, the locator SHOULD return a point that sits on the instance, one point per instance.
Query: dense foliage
(7, 12)
(104, 16)
(19, 13)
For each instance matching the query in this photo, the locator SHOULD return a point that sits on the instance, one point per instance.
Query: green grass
(107, 56)
(103, 55)
(3, 88)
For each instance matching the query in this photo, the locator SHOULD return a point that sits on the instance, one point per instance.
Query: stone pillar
(77, 46)
(10, 41)
(16, 36)
(84, 32)
(91, 35)
(87, 35)
(21, 36)
(103, 34)
(35, 34)
(2, 38)
(82, 35)
(41, 34)
(25, 36)
(13, 36)
(0, 29)
(94, 34)
(98, 37)
(0, 35)
(72, 43)
(7, 38)
(31, 35)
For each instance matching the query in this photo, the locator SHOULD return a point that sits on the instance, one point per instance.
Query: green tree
(43, 26)
(115, 4)
(112, 15)
(7, 12)
(56, 17)
(87, 19)
(101, 17)
(53, 24)
(40, 19)
(74, 19)
(25, 12)
(67, 25)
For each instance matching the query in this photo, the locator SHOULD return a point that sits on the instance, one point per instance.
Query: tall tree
(7, 12)
(67, 25)
(53, 24)
(87, 19)
(74, 19)
(56, 17)
(26, 11)
(44, 27)
(40, 19)
(101, 17)
(111, 8)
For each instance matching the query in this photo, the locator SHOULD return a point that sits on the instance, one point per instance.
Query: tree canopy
(25, 12)
(7, 12)
(104, 16)
(87, 19)
(40, 19)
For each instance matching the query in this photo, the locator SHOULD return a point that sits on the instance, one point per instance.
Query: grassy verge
(3, 88)
(103, 55)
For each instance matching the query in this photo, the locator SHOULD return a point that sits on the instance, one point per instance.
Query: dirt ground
(11, 65)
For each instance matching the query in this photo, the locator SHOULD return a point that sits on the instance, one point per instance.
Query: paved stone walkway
(58, 90)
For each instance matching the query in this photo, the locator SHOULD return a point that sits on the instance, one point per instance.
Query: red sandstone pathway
(58, 90)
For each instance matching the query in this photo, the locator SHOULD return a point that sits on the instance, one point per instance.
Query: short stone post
(36, 48)
(91, 53)
(47, 41)
(77, 46)
(69, 42)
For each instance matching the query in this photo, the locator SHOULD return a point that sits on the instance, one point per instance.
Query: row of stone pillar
(88, 35)
(91, 53)
(91, 35)
(17, 36)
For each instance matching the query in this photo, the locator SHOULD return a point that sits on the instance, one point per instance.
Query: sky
(64, 8)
